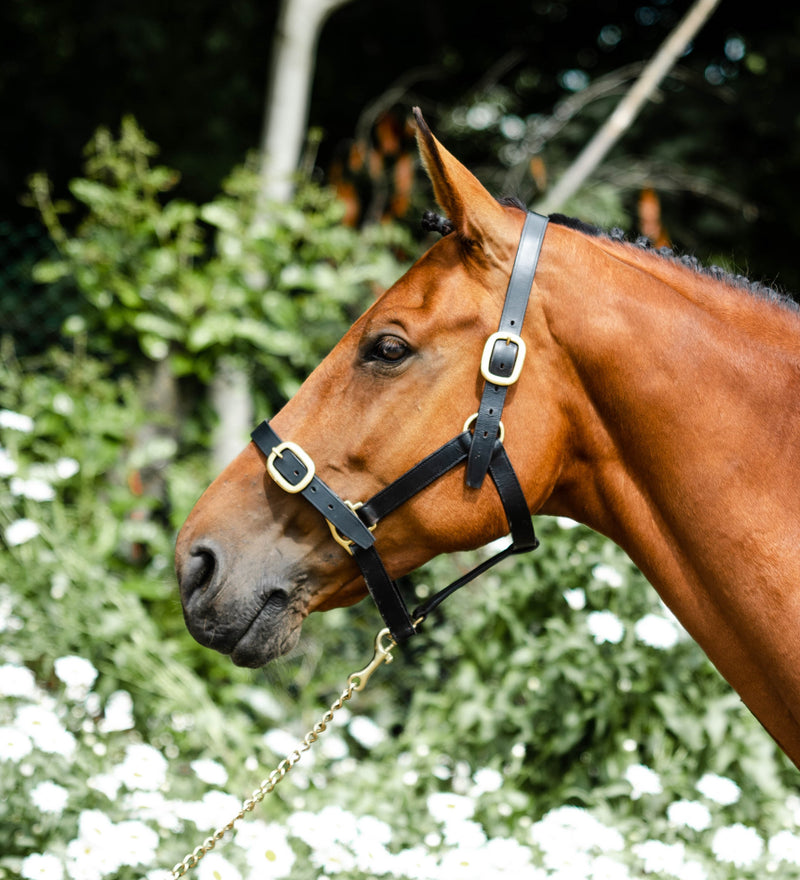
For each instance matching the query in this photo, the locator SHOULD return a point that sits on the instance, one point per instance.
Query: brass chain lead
(355, 682)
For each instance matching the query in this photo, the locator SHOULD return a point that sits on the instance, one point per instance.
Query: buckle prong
(302, 456)
(488, 351)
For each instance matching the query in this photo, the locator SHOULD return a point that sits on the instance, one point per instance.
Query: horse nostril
(198, 571)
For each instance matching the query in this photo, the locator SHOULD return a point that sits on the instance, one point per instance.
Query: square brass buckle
(488, 351)
(303, 458)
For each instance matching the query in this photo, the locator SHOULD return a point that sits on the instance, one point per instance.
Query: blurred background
(195, 201)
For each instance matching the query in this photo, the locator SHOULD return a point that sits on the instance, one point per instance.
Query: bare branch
(628, 108)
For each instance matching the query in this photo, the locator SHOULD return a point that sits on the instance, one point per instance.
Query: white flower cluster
(36, 486)
(142, 819)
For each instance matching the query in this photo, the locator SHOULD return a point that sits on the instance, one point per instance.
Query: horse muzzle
(251, 616)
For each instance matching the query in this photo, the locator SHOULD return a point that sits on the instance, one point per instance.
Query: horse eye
(390, 349)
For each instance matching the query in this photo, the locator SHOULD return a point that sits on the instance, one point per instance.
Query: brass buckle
(486, 358)
(303, 457)
(340, 539)
(501, 431)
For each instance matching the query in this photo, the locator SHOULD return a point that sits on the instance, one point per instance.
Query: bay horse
(653, 401)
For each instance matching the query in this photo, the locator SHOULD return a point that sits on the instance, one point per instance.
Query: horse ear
(476, 216)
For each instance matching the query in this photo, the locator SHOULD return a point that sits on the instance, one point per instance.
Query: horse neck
(681, 398)
(684, 402)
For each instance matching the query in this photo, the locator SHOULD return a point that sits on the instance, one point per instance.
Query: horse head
(253, 559)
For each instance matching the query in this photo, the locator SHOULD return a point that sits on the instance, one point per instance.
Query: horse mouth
(252, 628)
(270, 634)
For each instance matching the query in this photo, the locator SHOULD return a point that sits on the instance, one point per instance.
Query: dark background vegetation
(194, 74)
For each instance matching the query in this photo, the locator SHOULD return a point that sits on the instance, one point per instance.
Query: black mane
(756, 288)
(434, 222)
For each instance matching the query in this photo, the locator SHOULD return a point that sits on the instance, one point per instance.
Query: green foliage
(552, 721)
(165, 278)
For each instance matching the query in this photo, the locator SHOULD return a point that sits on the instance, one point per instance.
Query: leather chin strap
(352, 525)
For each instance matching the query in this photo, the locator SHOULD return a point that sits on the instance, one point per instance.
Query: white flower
(153, 807)
(333, 859)
(48, 797)
(576, 599)
(692, 870)
(415, 863)
(267, 849)
(605, 626)
(41, 866)
(333, 747)
(573, 828)
(66, 468)
(365, 731)
(446, 807)
(17, 681)
(215, 809)
(118, 713)
(564, 522)
(62, 403)
(36, 490)
(106, 784)
(606, 574)
(210, 771)
(135, 842)
(44, 727)
(7, 464)
(661, 858)
(785, 845)
(15, 421)
(497, 858)
(642, 780)
(485, 780)
(372, 829)
(606, 868)
(464, 833)
(369, 852)
(720, 789)
(14, 744)
(77, 674)
(656, 631)
(281, 742)
(689, 814)
(217, 867)
(737, 844)
(144, 767)
(20, 531)
(330, 826)
(93, 854)
(462, 864)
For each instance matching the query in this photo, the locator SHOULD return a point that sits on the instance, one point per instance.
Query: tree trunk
(288, 92)
(231, 400)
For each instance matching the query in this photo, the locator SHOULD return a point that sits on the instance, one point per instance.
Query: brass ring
(501, 431)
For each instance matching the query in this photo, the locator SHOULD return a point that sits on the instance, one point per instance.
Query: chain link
(355, 682)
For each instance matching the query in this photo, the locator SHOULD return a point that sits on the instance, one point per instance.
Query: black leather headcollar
(352, 525)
